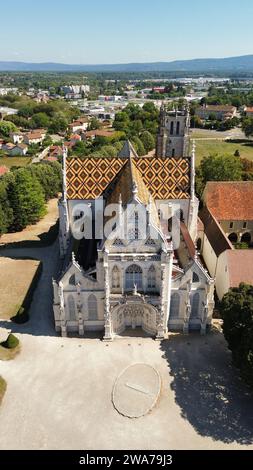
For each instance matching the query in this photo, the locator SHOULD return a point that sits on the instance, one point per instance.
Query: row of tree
(54, 116)
(24, 193)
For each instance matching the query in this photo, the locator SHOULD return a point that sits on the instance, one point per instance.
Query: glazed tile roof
(164, 178)
(230, 200)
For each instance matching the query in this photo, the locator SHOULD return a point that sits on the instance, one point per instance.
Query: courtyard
(59, 395)
(59, 390)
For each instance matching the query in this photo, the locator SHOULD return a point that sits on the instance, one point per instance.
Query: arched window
(174, 306)
(72, 308)
(172, 128)
(195, 277)
(72, 280)
(195, 307)
(115, 278)
(246, 238)
(233, 237)
(133, 277)
(199, 244)
(92, 307)
(151, 277)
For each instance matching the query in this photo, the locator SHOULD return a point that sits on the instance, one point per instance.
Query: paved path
(41, 312)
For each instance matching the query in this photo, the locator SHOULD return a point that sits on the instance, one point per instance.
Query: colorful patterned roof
(164, 178)
(87, 178)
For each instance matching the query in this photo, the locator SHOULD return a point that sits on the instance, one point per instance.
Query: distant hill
(243, 64)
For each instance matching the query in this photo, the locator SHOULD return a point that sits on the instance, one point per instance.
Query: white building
(126, 280)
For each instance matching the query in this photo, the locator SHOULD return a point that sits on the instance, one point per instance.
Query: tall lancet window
(195, 306)
(174, 306)
(72, 308)
(92, 308)
(133, 277)
(151, 277)
(115, 278)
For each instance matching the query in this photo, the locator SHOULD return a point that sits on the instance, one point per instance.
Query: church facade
(128, 227)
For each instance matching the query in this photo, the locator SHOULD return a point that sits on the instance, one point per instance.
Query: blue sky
(115, 31)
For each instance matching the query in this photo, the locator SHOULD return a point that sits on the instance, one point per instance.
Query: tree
(221, 168)
(247, 126)
(138, 145)
(48, 178)
(237, 313)
(6, 212)
(147, 140)
(6, 127)
(94, 124)
(40, 120)
(26, 198)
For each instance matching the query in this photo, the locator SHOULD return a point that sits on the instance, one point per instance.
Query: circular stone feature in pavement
(136, 390)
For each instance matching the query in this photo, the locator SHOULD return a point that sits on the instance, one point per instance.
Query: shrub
(11, 342)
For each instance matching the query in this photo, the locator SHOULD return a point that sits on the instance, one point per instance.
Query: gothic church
(111, 284)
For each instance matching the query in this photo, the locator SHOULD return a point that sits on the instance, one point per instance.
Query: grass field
(14, 161)
(204, 148)
(19, 274)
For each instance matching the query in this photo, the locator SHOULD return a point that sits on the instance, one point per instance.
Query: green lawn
(14, 161)
(204, 148)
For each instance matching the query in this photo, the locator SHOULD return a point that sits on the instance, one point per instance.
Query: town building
(219, 112)
(19, 149)
(34, 137)
(17, 137)
(131, 278)
(249, 112)
(80, 124)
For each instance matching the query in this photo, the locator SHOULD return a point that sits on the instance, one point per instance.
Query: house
(35, 137)
(19, 149)
(3, 170)
(125, 278)
(55, 151)
(80, 124)
(220, 112)
(99, 133)
(75, 138)
(8, 146)
(227, 218)
(17, 137)
(249, 112)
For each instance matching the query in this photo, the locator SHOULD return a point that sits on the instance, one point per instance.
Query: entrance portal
(134, 315)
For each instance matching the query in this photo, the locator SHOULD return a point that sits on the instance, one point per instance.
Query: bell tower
(173, 133)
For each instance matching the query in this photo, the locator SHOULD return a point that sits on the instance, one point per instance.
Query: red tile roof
(100, 133)
(3, 170)
(240, 264)
(230, 200)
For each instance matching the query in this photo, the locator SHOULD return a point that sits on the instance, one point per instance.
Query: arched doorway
(233, 237)
(134, 315)
(246, 238)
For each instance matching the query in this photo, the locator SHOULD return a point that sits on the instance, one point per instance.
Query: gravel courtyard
(59, 390)
(59, 396)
